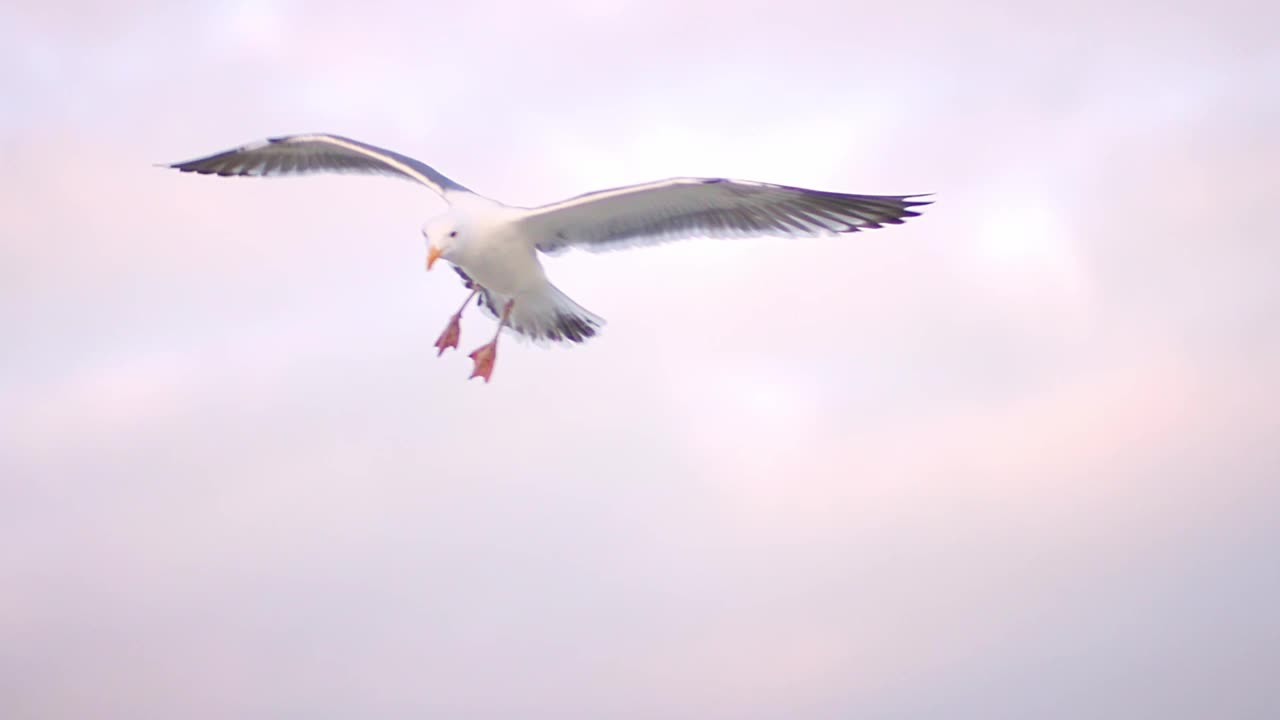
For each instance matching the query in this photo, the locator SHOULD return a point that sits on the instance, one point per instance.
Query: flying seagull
(495, 247)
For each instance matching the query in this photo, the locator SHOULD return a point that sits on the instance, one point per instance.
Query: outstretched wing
(302, 154)
(713, 207)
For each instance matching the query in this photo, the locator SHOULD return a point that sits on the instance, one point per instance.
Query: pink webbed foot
(485, 354)
(484, 357)
(449, 338)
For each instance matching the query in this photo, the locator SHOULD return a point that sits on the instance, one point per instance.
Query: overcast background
(1018, 458)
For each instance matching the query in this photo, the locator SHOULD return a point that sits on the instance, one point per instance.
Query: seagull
(496, 248)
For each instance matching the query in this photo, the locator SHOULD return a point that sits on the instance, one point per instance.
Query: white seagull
(494, 247)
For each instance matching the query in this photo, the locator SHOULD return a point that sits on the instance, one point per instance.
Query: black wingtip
(184, 166)
(202, 167)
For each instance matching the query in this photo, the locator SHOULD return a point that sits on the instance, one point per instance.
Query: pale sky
(1017, 458)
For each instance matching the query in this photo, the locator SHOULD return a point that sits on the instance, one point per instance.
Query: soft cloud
(1013, 458)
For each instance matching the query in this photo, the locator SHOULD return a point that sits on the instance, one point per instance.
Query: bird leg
(452, 331)
(485, 354)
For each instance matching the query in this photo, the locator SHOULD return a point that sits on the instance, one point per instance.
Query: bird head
(442, 237)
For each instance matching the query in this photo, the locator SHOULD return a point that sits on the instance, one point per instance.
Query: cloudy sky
(1016, 458)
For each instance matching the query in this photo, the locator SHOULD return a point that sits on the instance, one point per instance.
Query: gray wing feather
(712, 207)
(304, 154)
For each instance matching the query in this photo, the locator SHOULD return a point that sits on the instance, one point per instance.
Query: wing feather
(713, 207)
(318, 153)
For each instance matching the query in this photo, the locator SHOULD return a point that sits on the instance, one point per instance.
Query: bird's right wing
(302, 154)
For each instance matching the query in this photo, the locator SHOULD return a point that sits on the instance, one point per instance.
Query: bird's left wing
(301, 154)
(713, 207)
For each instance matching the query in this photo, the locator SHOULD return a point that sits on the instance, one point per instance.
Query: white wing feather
(712, 207)
(302, 154)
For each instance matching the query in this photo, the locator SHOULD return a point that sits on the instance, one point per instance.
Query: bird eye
(453, 233)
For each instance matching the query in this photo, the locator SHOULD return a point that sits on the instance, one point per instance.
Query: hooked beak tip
(433, 254)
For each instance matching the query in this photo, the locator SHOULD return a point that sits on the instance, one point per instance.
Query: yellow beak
(433, 254)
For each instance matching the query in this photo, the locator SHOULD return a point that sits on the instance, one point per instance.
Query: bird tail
(548, 314)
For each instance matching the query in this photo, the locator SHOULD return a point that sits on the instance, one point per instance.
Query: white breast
(496, 256)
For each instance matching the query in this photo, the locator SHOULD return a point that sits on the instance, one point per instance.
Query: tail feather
(545, 315)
